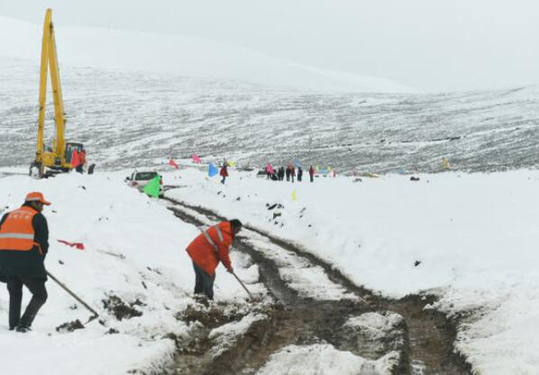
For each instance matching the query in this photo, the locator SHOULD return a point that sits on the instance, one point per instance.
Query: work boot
(23, 329)
(202, 299)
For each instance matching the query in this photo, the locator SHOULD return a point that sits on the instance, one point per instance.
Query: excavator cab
(70, 147)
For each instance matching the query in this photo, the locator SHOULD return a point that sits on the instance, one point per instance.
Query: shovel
(243, 285)
(95, 316)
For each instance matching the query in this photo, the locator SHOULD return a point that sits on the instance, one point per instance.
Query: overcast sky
(433, 45)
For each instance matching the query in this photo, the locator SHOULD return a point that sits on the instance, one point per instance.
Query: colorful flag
(269, 169)
(232, 164)
(294, 195)
(173, 164)
(297, 164)
(317, 168)
(212, 171)
(196, 159)
(152, 187)
(77, 245)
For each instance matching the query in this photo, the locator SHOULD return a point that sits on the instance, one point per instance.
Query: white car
(140, 179)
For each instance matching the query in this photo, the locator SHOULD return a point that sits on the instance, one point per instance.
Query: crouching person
(24, 237)
(208, 249)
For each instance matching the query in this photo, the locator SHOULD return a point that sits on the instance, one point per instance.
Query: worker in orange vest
(208, 249)
(24, 242)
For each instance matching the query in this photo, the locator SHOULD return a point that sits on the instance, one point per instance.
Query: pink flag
(269, 169)
(196, 159)
(172, 163)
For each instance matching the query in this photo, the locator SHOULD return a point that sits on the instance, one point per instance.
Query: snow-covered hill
(129, 118)
(179, 55)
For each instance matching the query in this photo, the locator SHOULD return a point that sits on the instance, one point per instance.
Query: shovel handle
(243, 285)
(73, 294)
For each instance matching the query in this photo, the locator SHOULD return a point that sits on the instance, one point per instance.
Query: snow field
(129, 240)
(469, 238)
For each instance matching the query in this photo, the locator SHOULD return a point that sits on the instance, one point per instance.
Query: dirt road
(398, 334)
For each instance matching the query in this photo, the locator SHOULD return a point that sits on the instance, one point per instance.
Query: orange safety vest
(211, 247)
(17, 231)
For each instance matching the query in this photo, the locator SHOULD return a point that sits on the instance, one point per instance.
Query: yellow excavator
(58, 157)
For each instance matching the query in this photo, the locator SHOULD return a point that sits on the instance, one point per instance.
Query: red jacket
(203, 253)
(224, 171)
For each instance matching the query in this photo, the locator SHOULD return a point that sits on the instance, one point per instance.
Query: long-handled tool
(243, 285)
(96, 315)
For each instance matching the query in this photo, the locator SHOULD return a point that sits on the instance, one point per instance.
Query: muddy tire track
(424, 340)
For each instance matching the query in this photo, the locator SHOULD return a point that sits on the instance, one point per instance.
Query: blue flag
(212, 171)
(297, 163)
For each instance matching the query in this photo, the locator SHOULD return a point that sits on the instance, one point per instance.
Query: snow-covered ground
(469, 238)
(134, 249)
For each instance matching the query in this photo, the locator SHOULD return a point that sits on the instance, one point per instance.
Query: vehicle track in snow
(422, 339)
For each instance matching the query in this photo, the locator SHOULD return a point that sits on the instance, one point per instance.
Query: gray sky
(434, 45)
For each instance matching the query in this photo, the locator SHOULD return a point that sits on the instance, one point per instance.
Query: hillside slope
(179, 55)
(129, 118)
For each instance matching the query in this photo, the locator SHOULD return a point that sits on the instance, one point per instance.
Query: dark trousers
(311, 176)
(203, 282)
(39, 297)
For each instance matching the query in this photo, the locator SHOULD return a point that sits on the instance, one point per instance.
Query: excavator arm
(43, 84)
(56, 157)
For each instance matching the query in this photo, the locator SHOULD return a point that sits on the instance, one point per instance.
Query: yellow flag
(294, 195)
(232, 164)
(318, 168)
(329, 169)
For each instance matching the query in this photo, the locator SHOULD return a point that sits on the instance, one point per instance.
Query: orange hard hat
(36, 196)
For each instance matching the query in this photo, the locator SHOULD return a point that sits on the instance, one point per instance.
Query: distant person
(224, 172)
(445, 164)
(208, 249)
(292, 172)
(288, 173)
(24, 242)
(82, 161)
(311, 173)
(300, 174)
(281, 173)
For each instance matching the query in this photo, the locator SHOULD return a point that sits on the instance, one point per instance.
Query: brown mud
(423, 338)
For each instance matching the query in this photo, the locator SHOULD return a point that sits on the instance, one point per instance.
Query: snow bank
(325, 359)
(469, 238)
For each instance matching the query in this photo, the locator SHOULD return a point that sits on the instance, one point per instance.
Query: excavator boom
(56, 158)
